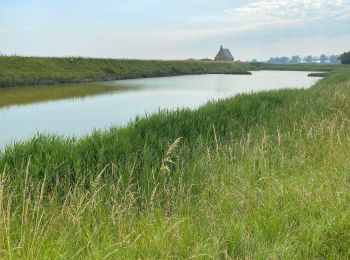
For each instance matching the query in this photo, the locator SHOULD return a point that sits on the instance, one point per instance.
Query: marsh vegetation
(261, 175)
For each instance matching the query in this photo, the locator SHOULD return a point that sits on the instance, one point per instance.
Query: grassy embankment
(258, 175)
(296, 67)
(30, 71)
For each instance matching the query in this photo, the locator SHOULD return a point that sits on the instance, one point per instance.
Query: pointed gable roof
(224, 55)
(227, 53)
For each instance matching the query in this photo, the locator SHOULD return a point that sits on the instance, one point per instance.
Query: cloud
(290, 18)
(256, 22)
(291, 12)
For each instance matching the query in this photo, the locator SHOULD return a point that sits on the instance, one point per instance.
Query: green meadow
(263, 175)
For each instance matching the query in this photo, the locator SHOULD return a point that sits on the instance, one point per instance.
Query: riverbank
(261, 175)
(18, 71)
(318, 74)
(297, 67)
(32, 71)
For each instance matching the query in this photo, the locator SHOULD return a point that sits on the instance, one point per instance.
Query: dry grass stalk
(167, 160)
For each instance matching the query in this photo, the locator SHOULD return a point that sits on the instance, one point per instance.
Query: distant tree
(334, 59)
(323, 59)
(278, 60)
(308, 59)
(272, 60)
(284, 60)
(254, 60)
(295, 59)
(345, 58)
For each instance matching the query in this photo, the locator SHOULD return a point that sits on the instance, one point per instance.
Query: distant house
(224, 55)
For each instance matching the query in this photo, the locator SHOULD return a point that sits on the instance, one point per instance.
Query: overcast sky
(174, 29)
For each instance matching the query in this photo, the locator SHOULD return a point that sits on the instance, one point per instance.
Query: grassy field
(262, 175)
(30, 71)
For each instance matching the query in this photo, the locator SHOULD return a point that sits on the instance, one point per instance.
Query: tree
(284, 60)
(272, 60)
(334, 59)
(323, 59)
(295, 59)
(345, 58)
(308, 59)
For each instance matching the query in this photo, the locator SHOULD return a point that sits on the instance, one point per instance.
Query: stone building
(224, 55)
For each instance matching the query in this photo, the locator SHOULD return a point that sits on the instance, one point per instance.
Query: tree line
(322, 59)
(345, 58)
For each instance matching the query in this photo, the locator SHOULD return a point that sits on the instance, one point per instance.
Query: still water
(76, 116)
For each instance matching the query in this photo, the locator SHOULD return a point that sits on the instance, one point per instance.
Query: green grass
(16, 71)
(296, 67)
(30, 71)
(262, 175)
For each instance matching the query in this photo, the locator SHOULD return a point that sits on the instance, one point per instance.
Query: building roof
(227, 53)
(224, 55)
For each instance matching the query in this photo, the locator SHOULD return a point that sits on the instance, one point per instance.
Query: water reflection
(29, 95)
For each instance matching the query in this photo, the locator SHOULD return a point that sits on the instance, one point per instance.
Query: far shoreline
(18, 71)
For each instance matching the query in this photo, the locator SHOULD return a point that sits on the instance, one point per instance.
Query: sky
(174, 29)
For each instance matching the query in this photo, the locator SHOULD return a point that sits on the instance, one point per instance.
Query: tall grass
(260, 175)
(18, 71)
